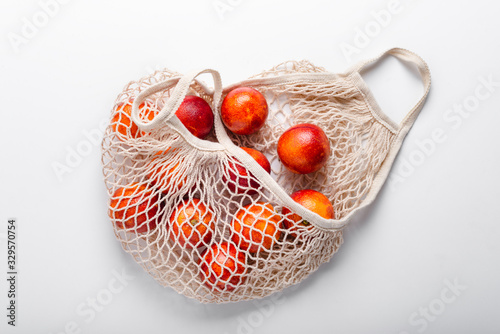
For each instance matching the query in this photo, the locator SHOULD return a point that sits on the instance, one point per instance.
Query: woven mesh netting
(198, 221)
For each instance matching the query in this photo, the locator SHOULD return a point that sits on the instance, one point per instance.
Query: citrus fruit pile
(234, 193)
(191, 224)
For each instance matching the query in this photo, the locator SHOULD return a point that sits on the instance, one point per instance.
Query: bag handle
(167, 113)
(400, 132)
(406, 56)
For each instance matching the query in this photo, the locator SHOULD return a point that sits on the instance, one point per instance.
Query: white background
(435, 221)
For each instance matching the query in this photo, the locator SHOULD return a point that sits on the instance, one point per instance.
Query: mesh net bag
(182, 209)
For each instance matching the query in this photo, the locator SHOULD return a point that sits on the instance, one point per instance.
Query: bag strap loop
(167, 113)
(409, 57)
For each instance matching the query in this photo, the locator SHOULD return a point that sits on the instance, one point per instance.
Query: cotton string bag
(156, 172)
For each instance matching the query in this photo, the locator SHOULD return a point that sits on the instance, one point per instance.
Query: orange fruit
(192, 224)
(134, 208)
(240, 179)
(122, 120)
(256, 227)
(164, 171)
(311, 200)
(196, 115)
(222, 266)
(304, 148)
(244, 110)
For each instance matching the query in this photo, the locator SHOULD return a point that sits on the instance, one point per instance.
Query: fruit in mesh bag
(311, 200)
(122, 123)
(256, 227)
(192, 224)
(223, 266)
(196, 115)
(165, 171)
(244, 110)
(240, 180)
(134, 208)
(304, 148)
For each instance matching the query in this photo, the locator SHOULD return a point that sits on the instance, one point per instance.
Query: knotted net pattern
(196, 223)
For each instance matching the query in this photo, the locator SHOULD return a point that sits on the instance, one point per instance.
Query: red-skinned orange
(192, 224)
(244, 110)
(304, 148)
(164, 171)
(134, 208)
(240, 179)
(196, 115)
(122, 123)
(311, 200)
(256, 227)
(223, 266)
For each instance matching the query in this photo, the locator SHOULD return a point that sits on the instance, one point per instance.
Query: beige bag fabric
(159, 172)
